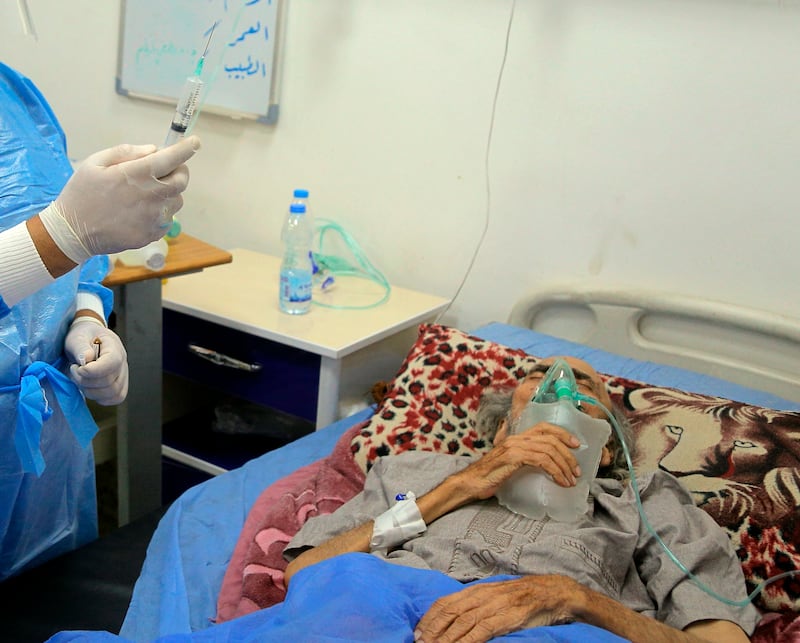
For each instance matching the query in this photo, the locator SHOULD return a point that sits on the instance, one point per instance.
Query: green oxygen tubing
(332, 265)
(646, 521)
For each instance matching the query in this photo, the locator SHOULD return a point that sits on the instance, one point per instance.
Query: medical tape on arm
(397, 525)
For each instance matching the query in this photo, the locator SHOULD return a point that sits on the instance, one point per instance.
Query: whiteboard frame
(271, 116)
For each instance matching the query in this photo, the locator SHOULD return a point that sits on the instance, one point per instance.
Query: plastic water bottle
(532, 492)
(296, 269)
(300, 196)
(322, 280)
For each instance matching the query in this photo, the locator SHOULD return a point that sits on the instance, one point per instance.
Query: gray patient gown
(609, 549)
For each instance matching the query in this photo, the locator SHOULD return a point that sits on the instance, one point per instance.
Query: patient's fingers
(551, 448)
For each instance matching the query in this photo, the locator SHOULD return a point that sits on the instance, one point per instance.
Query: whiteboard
(161, 42)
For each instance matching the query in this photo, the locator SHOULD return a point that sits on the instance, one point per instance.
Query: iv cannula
(186, 111)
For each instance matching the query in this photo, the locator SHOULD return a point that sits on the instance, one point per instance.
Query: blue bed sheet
(189, 553)
(354, 597)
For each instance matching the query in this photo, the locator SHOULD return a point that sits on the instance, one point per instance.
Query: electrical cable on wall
(486, 166)
(25, 17)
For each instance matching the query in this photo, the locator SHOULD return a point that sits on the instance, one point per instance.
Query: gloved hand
(119, 198)
(104, 379)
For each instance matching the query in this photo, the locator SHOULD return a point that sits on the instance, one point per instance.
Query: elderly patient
(605, 568)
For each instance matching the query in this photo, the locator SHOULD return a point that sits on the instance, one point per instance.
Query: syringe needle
(188, 103)
(205, 51)
(208, 42)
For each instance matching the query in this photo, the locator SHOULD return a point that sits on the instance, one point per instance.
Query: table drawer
(288, 378)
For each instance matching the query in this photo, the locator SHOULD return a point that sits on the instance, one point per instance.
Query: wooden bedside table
(306, 365)
(137, 304)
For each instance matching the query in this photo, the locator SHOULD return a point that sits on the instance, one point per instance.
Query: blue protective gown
(48, 502)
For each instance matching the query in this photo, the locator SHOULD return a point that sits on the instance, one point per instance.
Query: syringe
(186, 110)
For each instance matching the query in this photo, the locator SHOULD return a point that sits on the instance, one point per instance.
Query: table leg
(138, 306)
(330, 375)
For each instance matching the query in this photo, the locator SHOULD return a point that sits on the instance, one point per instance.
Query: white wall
(635, 144)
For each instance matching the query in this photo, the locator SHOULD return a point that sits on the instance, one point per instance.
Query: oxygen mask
(532, 492)
(558, 384)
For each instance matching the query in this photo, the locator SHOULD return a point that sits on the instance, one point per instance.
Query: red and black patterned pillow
(432, 400)
(740, 462)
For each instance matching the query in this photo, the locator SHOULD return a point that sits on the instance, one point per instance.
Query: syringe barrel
(186, 109)
(172, 137)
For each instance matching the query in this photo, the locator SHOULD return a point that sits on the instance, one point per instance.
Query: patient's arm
(356, 539)
(548, 449)
(444, 498)
(481, 612)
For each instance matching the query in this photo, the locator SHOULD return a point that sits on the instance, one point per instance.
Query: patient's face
(587, 380)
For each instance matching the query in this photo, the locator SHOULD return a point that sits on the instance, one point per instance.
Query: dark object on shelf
(238, 417)
(250, 430)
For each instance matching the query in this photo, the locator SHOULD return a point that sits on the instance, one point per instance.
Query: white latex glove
(105, 379)
(119, 198)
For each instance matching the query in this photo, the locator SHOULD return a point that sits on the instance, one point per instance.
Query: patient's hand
(545, 446)
(481, 612)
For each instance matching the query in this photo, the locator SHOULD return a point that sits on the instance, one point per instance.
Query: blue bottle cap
(301, 194)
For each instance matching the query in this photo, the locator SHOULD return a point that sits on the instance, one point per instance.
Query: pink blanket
(254, 578)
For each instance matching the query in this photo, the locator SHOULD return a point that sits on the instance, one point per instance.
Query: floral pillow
(430, 404)
(740, 462)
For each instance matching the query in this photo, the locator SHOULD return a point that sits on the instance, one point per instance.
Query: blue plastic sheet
(47, 514)
(354, 597)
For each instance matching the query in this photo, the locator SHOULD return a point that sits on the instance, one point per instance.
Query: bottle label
(296, 286)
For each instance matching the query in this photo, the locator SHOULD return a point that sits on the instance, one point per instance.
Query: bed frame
(745, 346)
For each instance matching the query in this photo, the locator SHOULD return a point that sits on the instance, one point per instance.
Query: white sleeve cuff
(89, 301)
(22, 271)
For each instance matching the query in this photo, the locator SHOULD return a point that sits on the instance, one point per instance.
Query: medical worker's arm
(120, 198)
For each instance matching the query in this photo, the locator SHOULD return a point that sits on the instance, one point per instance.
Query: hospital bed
(727, 376)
